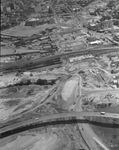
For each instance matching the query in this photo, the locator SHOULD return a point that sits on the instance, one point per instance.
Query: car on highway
(116, 115)
(102, 113)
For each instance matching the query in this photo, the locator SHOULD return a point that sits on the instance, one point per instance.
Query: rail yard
(59, 75)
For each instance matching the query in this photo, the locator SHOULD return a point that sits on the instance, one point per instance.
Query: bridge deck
(59, 116)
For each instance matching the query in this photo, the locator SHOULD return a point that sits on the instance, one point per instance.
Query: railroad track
(50, 60)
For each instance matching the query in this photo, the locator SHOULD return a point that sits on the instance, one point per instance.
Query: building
(34, 22)
(116, 37)
(93, 41)
(106, 24)
(51, 21)
(116, 23)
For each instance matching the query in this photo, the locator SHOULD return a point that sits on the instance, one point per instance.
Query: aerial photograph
(59, 75)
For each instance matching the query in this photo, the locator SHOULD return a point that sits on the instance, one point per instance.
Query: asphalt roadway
(61, 116)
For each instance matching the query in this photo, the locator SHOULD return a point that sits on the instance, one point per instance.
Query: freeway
(61, 116)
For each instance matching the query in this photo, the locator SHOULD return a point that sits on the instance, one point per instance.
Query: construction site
(59, 75)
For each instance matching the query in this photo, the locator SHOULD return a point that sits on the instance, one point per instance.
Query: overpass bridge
(58, 117)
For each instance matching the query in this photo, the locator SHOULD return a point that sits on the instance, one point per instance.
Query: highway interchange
(85, 129)
(91, 141)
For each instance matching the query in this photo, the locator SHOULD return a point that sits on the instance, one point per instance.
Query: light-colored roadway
(59, 116)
